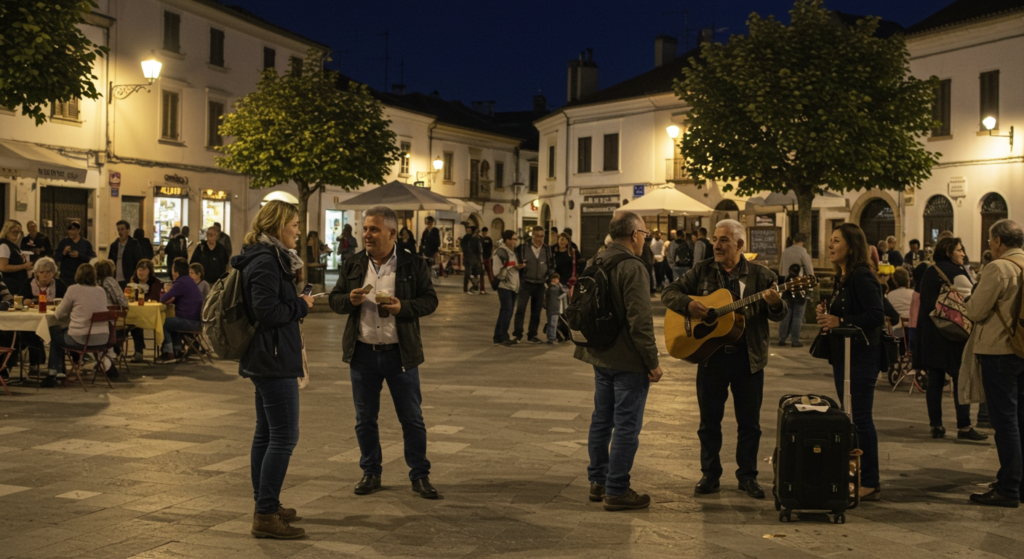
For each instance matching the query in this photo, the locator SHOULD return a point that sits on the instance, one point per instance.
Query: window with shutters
(269, 58)
(214, 111)
(406, 149)
(172, 28)
(583, 148)
(989, 97)
(170, 116)
(295, 65)
(449, 164)
(551, 161)
(65, 110)
(534, 173)
(940, 110)
(499, 174)
(216, 47)
(611, 152)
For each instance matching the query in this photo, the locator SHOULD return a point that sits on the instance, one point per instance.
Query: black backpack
(590, 314)
(684, 255)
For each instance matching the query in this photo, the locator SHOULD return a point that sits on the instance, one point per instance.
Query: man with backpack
(702, 248)
(540, 263)
(625, 364)
(996, 345)
(681, 258)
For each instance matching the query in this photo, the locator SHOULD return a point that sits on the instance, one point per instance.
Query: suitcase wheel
(839, 518)
(784, 516)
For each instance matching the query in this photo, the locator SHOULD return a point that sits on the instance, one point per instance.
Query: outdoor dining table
(150, 316)
(29, 320)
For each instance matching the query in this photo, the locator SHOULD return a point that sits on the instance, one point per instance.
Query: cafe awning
(399, 196)
(26, 160)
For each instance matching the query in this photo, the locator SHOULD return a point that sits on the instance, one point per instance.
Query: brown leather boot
(271, 526)
(288, 515)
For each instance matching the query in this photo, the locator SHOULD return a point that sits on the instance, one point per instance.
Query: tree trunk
(304, 193)
(804, 199)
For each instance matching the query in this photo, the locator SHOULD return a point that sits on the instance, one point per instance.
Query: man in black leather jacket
(739, 366)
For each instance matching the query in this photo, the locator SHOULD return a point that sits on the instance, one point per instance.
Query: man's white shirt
(372, 328)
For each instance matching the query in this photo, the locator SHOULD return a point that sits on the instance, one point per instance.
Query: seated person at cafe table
(80, 302)
(44, 280)
(149, 287)
(196, 272)
(188, 309)
(105, 279)
(5, 337)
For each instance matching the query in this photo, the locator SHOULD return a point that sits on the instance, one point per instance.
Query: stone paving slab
(158, 467)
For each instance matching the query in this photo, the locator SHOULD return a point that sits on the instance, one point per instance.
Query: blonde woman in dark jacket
(268, 264)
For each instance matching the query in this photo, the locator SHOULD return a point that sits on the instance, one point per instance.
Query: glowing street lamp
(673, 131)
(438, 164)
(150, 70)
(989, 123)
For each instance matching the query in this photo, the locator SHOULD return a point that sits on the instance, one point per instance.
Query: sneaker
(629, 501)
(112, 373)
(938, 432)
(596, 492)
(467, 292)
(510, 342)
(534, 340)
(138, 358)
(971, 435)
(483, 293)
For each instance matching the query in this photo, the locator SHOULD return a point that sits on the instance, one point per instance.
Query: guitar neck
(737, 305)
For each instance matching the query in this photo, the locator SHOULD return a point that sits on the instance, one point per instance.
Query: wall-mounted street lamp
(673, 131)
(990, 123)
(150, 70)
(438, 165)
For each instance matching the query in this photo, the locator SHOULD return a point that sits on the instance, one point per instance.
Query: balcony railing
(675, 170)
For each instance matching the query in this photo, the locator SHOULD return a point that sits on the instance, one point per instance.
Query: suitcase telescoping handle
(847, 333)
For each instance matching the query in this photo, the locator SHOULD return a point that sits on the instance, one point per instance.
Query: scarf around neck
(294, 261)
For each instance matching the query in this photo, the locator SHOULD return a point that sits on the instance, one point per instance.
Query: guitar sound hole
(703, 329)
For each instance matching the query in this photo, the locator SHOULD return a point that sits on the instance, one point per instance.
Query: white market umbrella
(400, 196)
(667, 200)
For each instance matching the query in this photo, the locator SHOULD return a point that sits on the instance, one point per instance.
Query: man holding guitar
(739, 364)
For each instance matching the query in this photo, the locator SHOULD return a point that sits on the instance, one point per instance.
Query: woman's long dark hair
(858, 253)
(945, 248)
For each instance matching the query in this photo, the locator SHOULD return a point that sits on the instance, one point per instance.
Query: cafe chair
(193, 342)
(120, 338)
(7, 352)
(97, 351)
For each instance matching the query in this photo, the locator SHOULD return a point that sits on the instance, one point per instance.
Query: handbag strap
(943, 276)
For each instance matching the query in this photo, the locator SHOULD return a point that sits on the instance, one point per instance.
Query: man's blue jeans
(277, 433)
(790, 326)
(369, 369)
(1002, 376)
(173, 325)
(507, 300)
(619, 401)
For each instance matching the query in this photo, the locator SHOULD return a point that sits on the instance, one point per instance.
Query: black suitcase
(815, 461)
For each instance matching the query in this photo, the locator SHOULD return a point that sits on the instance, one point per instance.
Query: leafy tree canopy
(816, 105)
(44, 56)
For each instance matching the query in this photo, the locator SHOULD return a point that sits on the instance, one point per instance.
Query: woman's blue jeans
(277, 433)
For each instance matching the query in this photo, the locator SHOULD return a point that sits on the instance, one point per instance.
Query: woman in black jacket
(856, 301)
(938, 355)
(268, 264)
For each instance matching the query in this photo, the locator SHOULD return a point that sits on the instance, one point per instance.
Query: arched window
(727, 205)
(878, 221)
(497, 228)
(993, 208)
(938, 217)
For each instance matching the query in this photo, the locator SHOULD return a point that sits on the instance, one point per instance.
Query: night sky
(508, 51)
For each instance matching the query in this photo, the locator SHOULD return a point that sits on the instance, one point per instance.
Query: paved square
(159, 467)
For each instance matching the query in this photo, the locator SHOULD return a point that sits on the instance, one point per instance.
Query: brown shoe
(288, 515)
(271, 526)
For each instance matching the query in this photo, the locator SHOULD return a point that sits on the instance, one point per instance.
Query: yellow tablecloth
(30, 320)
(150, 317)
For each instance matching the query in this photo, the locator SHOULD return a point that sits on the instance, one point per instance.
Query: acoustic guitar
(694, 340)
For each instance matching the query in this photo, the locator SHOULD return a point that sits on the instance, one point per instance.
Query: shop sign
(215, 195)
(601, 199)
(176, 179)
(908, 196)
(499, 209)
(8, 172)
(599, 209)
(114, 180)
(170, 191)
(60, 174)
(957, 187)
(601, 191)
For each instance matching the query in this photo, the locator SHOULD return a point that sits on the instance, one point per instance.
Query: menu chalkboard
(765, 242)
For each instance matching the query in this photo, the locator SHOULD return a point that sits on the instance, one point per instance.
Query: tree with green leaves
(44, 56)
(303, 128)
(817, 105)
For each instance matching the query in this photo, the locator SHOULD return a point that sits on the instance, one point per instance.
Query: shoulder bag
(950, 313)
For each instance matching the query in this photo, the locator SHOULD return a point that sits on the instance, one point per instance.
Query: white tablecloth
(29, 321)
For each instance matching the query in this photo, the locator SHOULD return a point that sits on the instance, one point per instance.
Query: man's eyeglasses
(646, 233)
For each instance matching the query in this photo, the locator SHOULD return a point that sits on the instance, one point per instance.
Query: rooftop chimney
(540, 103)
(582, 76)
(706, 36)
(484, 107)
(664, 50)
(398, 88)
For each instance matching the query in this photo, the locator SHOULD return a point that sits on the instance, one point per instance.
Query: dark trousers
(138, 339)
(532, 293)
(790, 326)
(369, 369)
(472, 268)
(1002, 376)
(619, 401)
(936, 386)
(714, 380)
(173, 325)
(659, 274)
(277, 433)
(507, 300)
(863, 376)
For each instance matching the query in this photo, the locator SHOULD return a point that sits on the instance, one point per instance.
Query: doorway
(593, 230)
(938, 217)
(878, 221)
(58, 207)
(993, 208)
(133, 211)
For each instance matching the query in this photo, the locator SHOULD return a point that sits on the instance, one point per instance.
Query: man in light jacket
(993, 308)
(623, 372)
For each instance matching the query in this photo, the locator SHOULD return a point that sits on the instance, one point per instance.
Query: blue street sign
(638, 190)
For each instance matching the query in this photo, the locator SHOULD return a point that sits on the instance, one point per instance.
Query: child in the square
(196, 272)
(557, 300)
